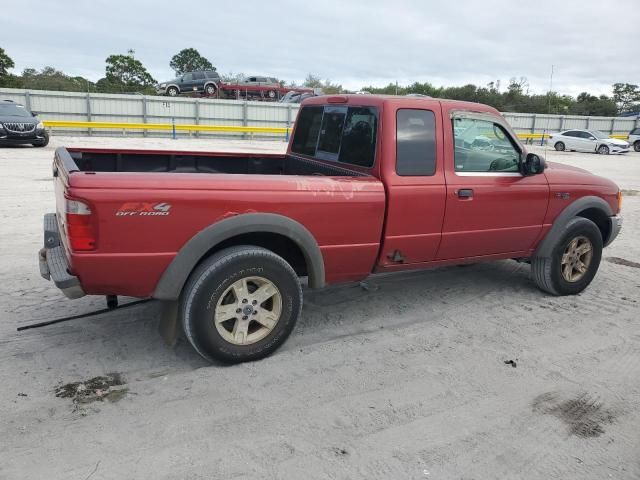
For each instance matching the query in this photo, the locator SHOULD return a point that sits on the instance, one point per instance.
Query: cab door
(187, 83)
(413, 173)
(490, 207)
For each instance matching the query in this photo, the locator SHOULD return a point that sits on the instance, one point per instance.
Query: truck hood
(562, 174)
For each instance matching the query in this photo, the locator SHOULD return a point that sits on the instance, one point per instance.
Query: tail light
(80, 228)
(619, 197)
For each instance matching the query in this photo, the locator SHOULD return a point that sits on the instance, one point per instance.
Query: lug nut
(255, 312)
(255, 302)
(245, 317)
(244, 300)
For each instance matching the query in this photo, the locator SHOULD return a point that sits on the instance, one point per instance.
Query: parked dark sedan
(18, 126)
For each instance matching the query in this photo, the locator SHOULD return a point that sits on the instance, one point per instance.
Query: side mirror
(592, 138)
(34, 114)
(532, 165)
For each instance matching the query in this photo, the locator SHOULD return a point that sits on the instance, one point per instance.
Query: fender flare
(175, 275)
(571, 211)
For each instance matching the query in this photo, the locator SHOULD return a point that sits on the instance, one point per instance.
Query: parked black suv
(203, 81)
(18, 126)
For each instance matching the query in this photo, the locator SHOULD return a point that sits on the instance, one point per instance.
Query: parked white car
(634, 139)
(587, 141)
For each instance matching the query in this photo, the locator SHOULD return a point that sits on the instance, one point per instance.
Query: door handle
(465, 193)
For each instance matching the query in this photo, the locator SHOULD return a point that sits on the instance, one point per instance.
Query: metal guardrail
(181, 127)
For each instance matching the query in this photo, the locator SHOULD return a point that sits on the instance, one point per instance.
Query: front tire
(44, 142)
(559, 146)
(636, 146)
(574, 260)
(240, 304)
(172, 91)
(603, 150)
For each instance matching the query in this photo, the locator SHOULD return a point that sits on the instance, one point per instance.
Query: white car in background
(587, 141)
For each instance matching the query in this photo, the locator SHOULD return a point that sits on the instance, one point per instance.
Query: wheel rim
(210, 90)
(604, 150)
(172, 92)
(248, 310)
(576, 259)
(560, 146)
(636, 146)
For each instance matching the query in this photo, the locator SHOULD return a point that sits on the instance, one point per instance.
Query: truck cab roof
(399, 101)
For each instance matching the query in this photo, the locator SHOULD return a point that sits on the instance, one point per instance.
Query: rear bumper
(615, 225)
(53, 261)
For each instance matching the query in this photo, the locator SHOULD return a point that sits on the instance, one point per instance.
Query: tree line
(124, 73)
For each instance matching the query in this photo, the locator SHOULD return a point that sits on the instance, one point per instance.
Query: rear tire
(210, 89)
(603, 150)
(225, 285)
(552, 273)
(559, 146)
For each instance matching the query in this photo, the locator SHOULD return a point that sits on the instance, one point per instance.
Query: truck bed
(199, 189)
(100, 160)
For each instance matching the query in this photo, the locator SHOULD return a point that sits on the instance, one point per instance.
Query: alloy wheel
(576, 259)
(248, 310)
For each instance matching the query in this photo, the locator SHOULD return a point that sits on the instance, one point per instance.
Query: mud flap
(168, 326)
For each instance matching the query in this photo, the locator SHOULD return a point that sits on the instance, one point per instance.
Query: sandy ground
(404, 380)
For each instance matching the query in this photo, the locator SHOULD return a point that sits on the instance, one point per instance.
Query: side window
(187, 77)
(415, 142)
(571, 133)
(483, 146)
(635, 131)
(198, 75)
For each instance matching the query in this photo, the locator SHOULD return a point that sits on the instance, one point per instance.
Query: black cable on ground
(83, 315)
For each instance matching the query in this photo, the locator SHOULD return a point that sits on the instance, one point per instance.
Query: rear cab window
(343, 134)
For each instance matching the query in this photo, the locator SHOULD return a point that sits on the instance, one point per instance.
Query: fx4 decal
(131, 209)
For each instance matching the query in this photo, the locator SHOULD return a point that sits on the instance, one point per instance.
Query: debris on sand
(339, 451)
(95, 389)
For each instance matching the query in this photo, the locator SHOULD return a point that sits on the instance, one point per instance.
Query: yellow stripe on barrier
(163, 126)
(181, 127)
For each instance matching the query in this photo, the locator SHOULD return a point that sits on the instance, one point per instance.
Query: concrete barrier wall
(101, 107)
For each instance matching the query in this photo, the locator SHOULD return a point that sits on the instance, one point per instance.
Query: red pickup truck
(369, 184)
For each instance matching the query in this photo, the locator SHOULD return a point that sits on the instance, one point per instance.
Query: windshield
(599, 134)
(13, 110)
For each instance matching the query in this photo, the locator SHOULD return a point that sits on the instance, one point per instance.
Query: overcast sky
(591, 43)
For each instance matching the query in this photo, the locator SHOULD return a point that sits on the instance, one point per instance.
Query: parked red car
(369, 184)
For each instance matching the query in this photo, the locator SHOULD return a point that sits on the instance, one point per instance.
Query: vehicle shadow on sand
(129, 339)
